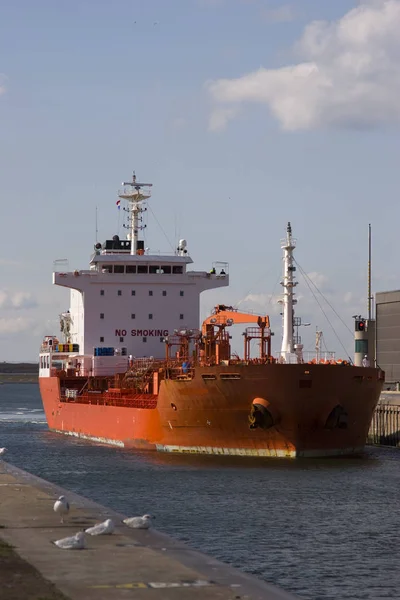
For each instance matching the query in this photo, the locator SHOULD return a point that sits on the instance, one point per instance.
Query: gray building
(388, 334)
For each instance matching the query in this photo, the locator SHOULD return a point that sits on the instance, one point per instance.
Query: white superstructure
(129, 299)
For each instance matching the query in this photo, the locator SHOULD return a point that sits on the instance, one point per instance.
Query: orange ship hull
(306, 410)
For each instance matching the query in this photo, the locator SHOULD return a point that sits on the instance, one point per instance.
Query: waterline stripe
(93, 438)
(215, 450)
(269, 452)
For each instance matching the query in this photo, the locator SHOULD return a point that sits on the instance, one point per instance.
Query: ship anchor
(260, 417)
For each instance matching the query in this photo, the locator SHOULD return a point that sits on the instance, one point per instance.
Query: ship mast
(134, 194)
(288, 244)
(318, 336)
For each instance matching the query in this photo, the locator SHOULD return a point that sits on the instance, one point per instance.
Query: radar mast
(134, 193)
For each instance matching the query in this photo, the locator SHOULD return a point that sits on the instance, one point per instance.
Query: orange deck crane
(216, 338)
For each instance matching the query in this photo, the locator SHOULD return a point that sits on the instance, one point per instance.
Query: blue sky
(243, 113)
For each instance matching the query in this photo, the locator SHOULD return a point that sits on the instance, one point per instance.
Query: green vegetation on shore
(19, 372)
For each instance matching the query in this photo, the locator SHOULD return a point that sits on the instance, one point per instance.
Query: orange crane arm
(223, 315)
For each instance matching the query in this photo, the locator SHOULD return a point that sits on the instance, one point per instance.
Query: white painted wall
(44, 364)
(77, 313)
(87, 305)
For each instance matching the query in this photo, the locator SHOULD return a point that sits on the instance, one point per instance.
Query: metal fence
(385, 426)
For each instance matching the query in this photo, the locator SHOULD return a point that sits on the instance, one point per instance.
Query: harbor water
(323, 529)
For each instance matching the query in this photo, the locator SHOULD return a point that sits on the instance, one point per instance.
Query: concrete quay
(385, 424)
(135, 564)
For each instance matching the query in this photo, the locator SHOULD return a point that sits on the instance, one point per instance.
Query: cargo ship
(132, 367)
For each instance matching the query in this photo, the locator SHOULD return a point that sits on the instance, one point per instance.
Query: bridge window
(131, 268)
(154, 269)
(142, 269)
(166, 269)
(362, 346)
(177, 270)
(119, 268)
(106, 269)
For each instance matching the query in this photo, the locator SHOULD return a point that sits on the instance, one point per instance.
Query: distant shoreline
(22, 372)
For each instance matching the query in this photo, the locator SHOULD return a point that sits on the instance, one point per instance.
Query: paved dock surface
(135, 564)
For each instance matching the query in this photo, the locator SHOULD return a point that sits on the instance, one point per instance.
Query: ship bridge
(131, 298)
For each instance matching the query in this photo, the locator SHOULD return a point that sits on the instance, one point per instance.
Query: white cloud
(16, 300)
(319, 279)
(349, 75)
(2, 83)
(12, 326)
(46, 327)
(221, 116)
(262, 303)
(270, 302)
(281, 14)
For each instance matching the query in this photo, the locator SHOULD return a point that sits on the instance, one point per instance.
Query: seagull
(139, 522)
(75, 542)
(3, 451)
(105, 528)
(61, 507)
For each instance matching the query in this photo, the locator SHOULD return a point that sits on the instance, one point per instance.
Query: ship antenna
(135, 196)
(369, 273)
(288, 301)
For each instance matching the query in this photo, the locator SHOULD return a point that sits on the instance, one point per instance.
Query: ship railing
(45, 347)
(148, 253)
(125, 400)
(323, 358)
(76, 273)
(56, 372)
(180, 373)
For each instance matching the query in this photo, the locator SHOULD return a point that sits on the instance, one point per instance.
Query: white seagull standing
(3, 451)
(75, 542)
(139, 522)
(61, 507)
(105, 528)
